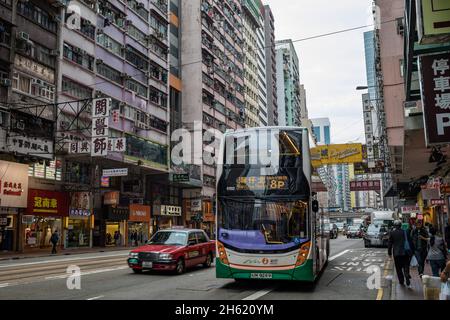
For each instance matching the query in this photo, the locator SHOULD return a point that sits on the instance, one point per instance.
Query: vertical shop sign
(435, 73)
(100, 126)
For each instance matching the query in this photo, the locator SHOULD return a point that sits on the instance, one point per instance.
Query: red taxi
(173, 250)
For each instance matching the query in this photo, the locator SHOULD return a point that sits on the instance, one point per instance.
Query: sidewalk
(38, 253)
(415, 292)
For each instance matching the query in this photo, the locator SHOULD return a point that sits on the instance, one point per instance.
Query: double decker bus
(269, 225)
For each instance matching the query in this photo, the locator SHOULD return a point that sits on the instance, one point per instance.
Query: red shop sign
(43, 202)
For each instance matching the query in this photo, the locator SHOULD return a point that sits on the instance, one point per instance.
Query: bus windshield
(263, 192)
(262, 224)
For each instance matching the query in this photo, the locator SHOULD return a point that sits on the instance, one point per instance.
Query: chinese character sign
(100, 127)
(435, 77)
(374, 185)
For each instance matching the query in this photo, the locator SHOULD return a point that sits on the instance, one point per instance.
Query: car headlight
(165, 256)
(134, 255)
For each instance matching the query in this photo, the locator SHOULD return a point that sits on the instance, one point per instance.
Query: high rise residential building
(343, 194)
(271, 67)
(322, 130)
(213, 71)
(254, 63)
(303, 106)
(120, 51)
(288, 84)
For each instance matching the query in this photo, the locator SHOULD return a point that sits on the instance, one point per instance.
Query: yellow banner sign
(436, 17)
(336, 154)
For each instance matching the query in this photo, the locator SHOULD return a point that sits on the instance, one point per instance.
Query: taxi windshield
(169, 238)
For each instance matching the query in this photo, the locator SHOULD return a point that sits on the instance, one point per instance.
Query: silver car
(376, 235)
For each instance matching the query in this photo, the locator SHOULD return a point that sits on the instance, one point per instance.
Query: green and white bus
(269, 225)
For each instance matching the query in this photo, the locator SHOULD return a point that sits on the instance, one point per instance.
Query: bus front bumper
(302, 273)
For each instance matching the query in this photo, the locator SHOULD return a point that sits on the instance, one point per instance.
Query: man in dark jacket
(54, 241)
(420, 238)
(401, 246)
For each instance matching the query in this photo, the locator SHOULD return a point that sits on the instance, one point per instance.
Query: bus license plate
(147, 264)
(261, 276)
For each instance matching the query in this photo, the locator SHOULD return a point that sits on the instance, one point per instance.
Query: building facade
(213, 98)
(288, 84)
(255, 98)
(271, 67)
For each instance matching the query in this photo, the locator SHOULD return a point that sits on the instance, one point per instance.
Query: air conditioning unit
(99, 31)
(20, 125)
(140, 125)
(140, 5)
(5, 82)
(37, 82)
(58, 3)
(99, 61)
(24, 36)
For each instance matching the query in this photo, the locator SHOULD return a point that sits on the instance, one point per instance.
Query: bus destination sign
(262, 183)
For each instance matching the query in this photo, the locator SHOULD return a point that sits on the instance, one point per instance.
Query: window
(159, 50)
(111, 14)
(37, 15)
(201, 237)
(133, 56)
(77, 173)
(109, 44)
(137, 34)
(87, 29)
(146, 150)
(137, 87)
(76, 90)
(158, 73)
(50, 170)
(78, 56)
(33, 86)
(109, 73)
(5, 33)
(158, 26)
(157, 97)
(139, 8)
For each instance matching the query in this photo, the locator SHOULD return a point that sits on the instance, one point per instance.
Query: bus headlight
(222, 254)
(303, 254)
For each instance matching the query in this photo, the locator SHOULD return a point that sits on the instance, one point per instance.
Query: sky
(330, 67)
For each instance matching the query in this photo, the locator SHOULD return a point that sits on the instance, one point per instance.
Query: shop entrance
(137, 233)
(38, 231)
(114, 234)
(78, 234)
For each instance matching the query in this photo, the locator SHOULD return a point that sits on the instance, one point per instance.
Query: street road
(107, 276)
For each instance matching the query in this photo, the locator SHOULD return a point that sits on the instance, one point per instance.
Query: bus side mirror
(315, 206)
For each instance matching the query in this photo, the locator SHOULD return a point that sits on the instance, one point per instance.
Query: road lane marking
(4, 285)
(258, 294)
(95, 298)
(338, 255)
(381, 291)
(262, 293)
(87, 273)
(60, 260)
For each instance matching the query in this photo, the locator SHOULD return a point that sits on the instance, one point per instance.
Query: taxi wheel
(138, 271)
(208, 261)
(180, 268)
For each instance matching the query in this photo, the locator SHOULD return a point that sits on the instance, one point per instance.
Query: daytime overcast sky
(330, 67)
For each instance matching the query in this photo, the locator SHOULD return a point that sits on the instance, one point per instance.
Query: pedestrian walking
(401, 247)
(54, 241)
(437, 254)
(420, 240)
(447, 235)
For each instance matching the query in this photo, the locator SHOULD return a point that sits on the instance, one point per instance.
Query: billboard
(337, 154)
(433, 21)
(13, 184)
(435, 80)
(367, 185)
